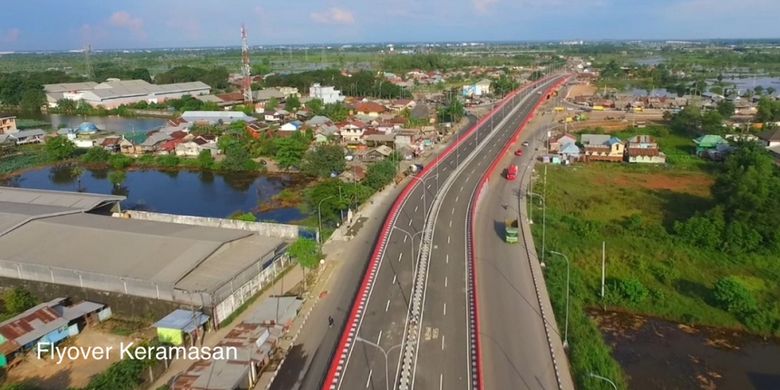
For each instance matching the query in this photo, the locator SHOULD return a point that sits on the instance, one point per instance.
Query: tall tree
(323, 160)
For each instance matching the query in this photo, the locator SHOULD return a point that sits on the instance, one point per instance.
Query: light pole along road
(442, 358)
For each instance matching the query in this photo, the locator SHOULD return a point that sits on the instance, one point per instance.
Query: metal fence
(224, 299)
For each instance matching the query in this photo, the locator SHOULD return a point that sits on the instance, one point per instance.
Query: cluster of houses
(256, 340)
(565, 149)
(49, 324)
(11, 135)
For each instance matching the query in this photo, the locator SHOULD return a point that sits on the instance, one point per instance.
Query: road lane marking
(456, 198)
(447, 259)
(387, 306)
(442, 342)
(450, 223)
(415, 210)
(368, 381)
(443, 314)
(445, 281)
(378, 339)
(461, 190)
(410, 222)
(453, 212)
(400, 255)
(448, 239)
(394, 276)
(441, 381)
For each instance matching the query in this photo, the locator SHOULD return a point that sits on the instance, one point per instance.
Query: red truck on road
(511, 172)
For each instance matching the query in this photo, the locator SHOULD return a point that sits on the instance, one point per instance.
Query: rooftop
(188, 257)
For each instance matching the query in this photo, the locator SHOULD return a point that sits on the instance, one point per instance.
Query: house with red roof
(368, 109)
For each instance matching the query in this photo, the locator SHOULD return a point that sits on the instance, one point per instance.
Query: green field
(650, 271)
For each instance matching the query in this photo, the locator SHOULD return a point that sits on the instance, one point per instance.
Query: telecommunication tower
(88, 62)
(246, 70)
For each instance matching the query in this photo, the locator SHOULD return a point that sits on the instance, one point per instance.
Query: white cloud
(333, 16)
(11, 35)
(122, 19)
(484, 6)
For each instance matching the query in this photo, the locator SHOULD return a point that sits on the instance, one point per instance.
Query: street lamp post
(425, 205)
(544, 221)
(592, 375)
(566, 326)
(411, 237)
(319, 216)
(379, 347)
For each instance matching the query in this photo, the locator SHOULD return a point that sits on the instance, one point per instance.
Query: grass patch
(633, 211)
(15, 159)
(649, 271)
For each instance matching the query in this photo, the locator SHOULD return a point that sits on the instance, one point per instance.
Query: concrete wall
(122, 305)
(277, 230)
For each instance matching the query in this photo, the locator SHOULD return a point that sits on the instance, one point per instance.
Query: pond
(749, 82)
(108, 123)
(658, 354)
(204, 194)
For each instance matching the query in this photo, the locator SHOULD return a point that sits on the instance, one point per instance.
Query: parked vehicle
(525, 143)
(511, 172)
(510, 230)
(519, 152)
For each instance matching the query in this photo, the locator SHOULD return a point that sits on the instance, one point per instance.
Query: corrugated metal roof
(184, 320)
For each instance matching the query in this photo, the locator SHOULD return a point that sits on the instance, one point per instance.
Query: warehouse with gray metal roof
(79, 240)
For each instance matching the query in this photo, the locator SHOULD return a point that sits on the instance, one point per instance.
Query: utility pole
(603, 266)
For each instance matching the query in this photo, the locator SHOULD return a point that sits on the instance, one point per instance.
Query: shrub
(60, 148)
(205, 160)
(119, 161)
(703, 230)
(629, 291)
(18, 299)
(96, 155)
(146, 160)
(167, 161)
(732, 295)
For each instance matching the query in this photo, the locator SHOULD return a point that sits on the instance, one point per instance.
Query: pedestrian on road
(330, 321)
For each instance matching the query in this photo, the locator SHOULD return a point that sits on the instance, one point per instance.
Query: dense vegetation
(747, 209)
(216, 78)
(363, 83)
(689, 242)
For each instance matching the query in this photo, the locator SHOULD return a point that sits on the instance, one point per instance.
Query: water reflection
(205, 194)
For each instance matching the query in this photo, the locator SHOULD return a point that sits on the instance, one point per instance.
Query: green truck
(510, 230)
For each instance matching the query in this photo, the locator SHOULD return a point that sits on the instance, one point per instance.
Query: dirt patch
(581, 90)
(47, 374)
(694, 184)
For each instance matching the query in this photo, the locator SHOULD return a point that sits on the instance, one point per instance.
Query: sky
(116, 24)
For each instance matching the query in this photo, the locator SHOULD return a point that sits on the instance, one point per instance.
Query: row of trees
(216, 78)
(363, 83)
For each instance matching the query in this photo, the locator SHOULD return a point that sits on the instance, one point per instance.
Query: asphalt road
(443, 359)
(515, 350)
(307, 361)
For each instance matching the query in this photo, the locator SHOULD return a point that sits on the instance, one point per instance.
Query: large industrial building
(114, 92)
(79, 245)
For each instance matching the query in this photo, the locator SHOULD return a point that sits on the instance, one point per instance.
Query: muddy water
(657, 354)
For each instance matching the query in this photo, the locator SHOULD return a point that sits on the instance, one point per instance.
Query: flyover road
(378, 342)
(516, 351)
(307, 362)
